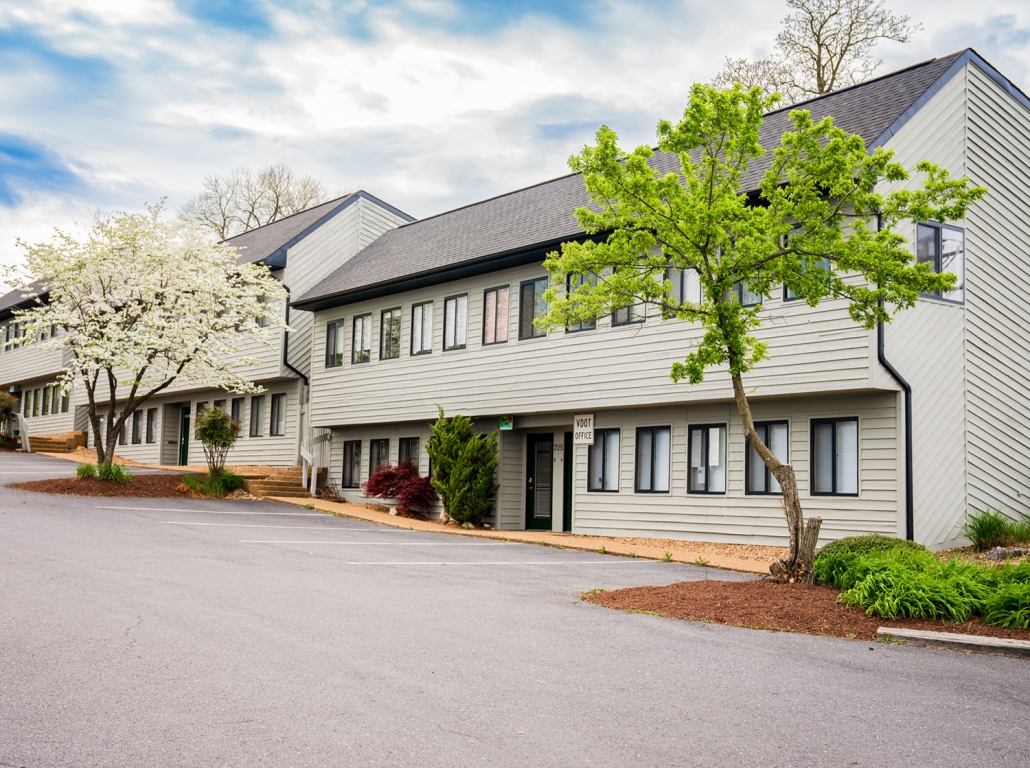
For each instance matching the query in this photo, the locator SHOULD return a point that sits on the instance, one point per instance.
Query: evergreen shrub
(217, 431)
(464, 463)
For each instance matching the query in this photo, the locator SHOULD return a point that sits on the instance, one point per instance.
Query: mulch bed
(141, 486)
(812, 609)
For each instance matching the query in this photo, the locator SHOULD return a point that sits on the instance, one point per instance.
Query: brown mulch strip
(808, 608)
(141, 486)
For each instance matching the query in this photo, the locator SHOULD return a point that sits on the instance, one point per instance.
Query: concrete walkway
(612, 546)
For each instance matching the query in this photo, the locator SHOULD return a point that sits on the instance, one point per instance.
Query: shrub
(417, 496)
(216, 485)
(86, 472)
(1009, 606)
(465, 463)
(1021, 530)
(114, 473)
(988, 528)
(874, 542)
(217, 431)
(386, 480)
(7, 403)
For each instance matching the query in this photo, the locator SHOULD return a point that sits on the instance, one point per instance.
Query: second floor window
(390, 334)
(532, 307)
(745, 296)
(628, 315)
(686, 287)
(944, 249)
(351, 464)
(361, 342)
(572, 283)
(333, 344)
(422, 328)
(758, 478)
(495, 315)
(706, 453)
(277, 425)
(824, 264)
(455, 321)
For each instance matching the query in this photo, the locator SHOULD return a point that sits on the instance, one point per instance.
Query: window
(532, 306)
(277, 426)
(408, 450)
(121, 433)
(571, 284)
(201, 406)
(262, 320)
(603, 461)
(788, 294)
(455, 321)
(55, 406)
(495, 316)
(334, 344)
(378, 454)
(64, 400)
(390, 334)
(152, 425)
(236, 409)
(257, 415)
(220, 405)
(745, 296)
(835, 457)
(422, 328)
(686, 287)
(46, 400)
(352, 464)
(944, 249)
(653, 445)
(35, 402)
(706, 469)
(137, 427)
(758, 478)
(361, 340)
(628, 315)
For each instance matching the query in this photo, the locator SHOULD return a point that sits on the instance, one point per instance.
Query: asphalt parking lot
(181, 632)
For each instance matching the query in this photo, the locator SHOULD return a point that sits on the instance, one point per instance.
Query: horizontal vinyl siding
(998, 328)
(927, 343)
(811, 350)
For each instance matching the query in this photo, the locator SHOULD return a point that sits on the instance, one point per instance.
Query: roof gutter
(286, 339)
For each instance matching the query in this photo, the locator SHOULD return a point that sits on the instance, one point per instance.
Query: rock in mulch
(1004, 553)
(808, 608)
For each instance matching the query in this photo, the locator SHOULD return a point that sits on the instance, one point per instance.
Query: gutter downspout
(881, 356)
(301, 406)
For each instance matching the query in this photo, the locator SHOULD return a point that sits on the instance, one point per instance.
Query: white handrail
(307, 459)
(23, 433)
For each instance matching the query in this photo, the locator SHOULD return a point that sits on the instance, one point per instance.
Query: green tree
(464, 465)
(217, 432)
(818, 226)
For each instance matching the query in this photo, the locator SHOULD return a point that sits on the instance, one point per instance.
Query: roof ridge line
(298, 213)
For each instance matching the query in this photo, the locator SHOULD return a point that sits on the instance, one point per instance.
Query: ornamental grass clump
(989, 528)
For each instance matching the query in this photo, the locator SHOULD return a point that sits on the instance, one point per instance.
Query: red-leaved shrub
(417, 496)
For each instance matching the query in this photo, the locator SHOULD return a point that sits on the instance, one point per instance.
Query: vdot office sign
(583, 430)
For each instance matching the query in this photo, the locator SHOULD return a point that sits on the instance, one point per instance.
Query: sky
(106, 105)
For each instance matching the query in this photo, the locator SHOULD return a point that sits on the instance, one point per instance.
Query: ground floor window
(257, 415)
(706, 471)
(352, 464)
(220, 405)
(237, 409)
(122, 433)
(152, 425)
(137, 427)
(653, 449)
(64, 400)
(603, 461)
(758, 477)
(834, 457)
(46, 400)
(408, 450)
(378, 454)
(277, 427)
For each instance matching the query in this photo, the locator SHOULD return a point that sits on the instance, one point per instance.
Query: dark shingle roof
(270, 242)
(15, 299)
(542, 215)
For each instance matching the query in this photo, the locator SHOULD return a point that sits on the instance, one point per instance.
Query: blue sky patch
(27, 165)
(247, 17)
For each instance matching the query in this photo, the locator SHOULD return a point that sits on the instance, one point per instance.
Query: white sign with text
(583, 430)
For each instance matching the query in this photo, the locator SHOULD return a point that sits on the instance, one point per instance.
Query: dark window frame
(833, 453)
(939, 256)
(333, 347)
(257, 426)
(636, 459)
(45, 410)
(277, 413)
(236, 409)
(768, 474)
(348, 464)
(375, 451)
(590, 325)
(705, 453)
(604, 469)
(151, 434)
(394, 354)
(824, 263)
(354, 348)
(446, 300)
(534, 331)
(422, 325)
(404, 446)
(497, 324)
(137, 427)
(738, 290)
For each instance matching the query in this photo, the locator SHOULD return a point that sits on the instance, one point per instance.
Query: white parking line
(614, 561)
(245, 525)
(394, 543)
(219, 511)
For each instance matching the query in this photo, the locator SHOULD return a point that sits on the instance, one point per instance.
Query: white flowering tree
(141, 302)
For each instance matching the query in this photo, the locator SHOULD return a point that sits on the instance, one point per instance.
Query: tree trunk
(797, 566)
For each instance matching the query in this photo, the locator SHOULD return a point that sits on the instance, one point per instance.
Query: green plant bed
(114, 473)
(990, 528)
(216, 484)
(874, 542)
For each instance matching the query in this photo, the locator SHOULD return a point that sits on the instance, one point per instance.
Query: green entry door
(184, 436)
(539, 472)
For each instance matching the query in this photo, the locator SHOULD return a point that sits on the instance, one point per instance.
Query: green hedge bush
(217, 485)
(874, 542)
